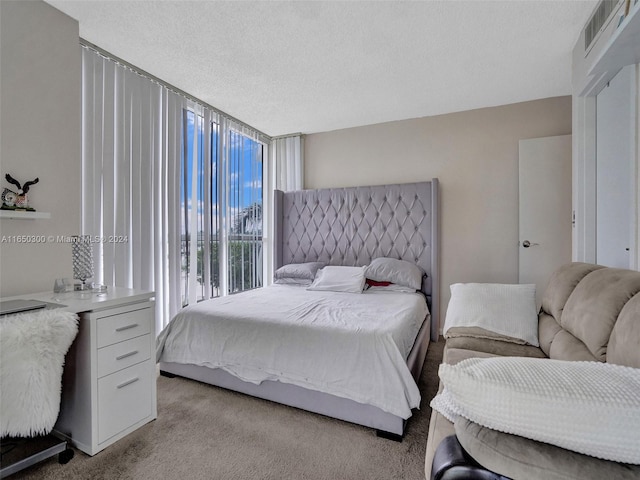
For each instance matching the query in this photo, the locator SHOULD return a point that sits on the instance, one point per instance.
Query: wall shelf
(24, 215)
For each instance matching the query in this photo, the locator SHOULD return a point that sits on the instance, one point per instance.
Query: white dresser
(109, 380)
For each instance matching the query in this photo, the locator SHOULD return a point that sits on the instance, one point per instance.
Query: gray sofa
(589, 312)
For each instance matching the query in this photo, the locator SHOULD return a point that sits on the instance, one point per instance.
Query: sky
(245, 171)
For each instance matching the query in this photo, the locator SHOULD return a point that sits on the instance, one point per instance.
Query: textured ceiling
(285, 67)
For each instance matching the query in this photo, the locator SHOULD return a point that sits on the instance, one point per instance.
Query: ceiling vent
(597, 21)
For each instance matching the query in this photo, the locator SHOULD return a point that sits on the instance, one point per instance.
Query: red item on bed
(373, 283)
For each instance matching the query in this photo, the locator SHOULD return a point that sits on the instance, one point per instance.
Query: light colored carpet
(204, 432)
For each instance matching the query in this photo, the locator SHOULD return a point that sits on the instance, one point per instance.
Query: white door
(544, 209)
(614, 172)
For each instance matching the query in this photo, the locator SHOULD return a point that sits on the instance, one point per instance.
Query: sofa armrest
(451, 462)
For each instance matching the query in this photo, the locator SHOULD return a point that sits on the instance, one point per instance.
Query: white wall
(614, 49)
(475, 156)
(40, 104)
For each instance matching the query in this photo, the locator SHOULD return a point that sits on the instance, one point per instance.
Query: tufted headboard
(352, 226)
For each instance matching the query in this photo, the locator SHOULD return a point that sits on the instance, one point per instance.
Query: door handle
(527, 244)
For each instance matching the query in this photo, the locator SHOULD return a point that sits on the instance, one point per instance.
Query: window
(221, 205)
(181, 182)
(245, 205)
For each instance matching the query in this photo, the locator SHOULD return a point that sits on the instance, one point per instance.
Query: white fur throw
(32, 351)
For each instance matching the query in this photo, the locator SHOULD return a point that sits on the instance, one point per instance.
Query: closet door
(615, 171)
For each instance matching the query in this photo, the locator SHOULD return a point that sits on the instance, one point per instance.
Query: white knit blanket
(588, 407)
(32, 351)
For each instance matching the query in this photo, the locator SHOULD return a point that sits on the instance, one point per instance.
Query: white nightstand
(109, 380)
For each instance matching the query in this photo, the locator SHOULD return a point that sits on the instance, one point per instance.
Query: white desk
(78, 302)
(109, 380)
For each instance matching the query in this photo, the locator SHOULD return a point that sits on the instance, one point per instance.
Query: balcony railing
(244, 269)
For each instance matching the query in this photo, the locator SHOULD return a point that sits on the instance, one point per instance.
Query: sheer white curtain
(288, 153)
(287, 174)
(131, 150)
(197, 202)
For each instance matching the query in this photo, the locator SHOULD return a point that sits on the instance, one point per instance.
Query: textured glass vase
(82, 258)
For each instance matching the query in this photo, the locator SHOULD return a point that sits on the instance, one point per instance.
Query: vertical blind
(288, 154)
(198, 193)
(130, 142)
(172, 190)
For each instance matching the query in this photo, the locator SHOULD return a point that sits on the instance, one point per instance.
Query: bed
(347, 227)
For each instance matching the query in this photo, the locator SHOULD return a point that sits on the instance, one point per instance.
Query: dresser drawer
(123, 326)
(124, 354)
(124, 398)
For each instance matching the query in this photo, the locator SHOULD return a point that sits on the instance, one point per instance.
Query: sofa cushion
(592, 309)
(452, 356)
(439, 428)
(561, 284)
(548, 328)
(519, 457)
(567, 347)
(624, 344)
(588, 407)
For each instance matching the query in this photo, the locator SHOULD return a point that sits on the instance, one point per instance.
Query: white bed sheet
(353, 346)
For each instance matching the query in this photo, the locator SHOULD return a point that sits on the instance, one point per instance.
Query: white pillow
(587, 407)
(339, 279)
(400, 272)
(508, 310)
(297, 273)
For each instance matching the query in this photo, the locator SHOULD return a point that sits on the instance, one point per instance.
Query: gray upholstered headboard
(352, 226)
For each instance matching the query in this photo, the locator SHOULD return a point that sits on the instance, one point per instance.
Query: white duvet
(349, 345)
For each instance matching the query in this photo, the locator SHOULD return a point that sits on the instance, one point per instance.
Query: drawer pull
(128, 382)
(126, 327)
(125, 355)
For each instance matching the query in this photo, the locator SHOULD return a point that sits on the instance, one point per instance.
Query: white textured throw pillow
(506, 309)
(339, 279)
(587, 407)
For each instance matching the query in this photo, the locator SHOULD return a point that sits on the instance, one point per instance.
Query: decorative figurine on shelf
(17, 200)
